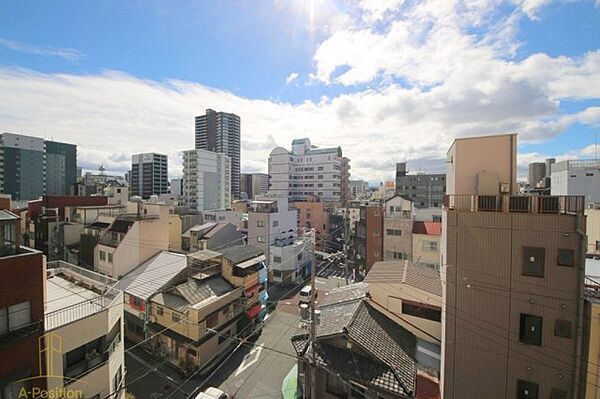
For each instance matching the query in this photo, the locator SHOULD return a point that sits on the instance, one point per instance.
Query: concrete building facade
(397, 229)
(254, 184)
(504, 336)
(537, 173)
(369, 236)
(307, 171)
(149, 175)
(220, 132)
(425, 190)
(577, 177)
(270, 220)
(206, 180)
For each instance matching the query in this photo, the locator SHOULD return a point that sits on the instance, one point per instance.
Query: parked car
(212, 393)
(305, 294)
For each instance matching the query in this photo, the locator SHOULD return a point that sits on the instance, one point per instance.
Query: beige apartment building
(592, 213)
(397, 228)
(426, 237)
(83, 340)
(512, 269)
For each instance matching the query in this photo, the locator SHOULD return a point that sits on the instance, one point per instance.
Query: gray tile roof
(336, 317)
(347, 293)
(240, 253)
(152, 275)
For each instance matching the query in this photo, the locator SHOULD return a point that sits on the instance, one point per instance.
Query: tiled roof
(146, 279)
(396, 273)
(240, 253)
(429, 228)
(218, 227)
(347, 293)
(336, 317)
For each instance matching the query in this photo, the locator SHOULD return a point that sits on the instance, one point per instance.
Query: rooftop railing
(562, 205)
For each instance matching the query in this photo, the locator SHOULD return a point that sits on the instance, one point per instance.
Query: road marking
(255, 354)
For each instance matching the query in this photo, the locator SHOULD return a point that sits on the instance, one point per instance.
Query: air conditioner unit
(505, 188)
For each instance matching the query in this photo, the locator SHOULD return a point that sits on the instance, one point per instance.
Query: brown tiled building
(22, 280)
(513, 268)
(369, 236)
(313, 215)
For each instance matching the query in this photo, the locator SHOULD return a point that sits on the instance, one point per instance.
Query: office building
(220, 132)
(577, 177)
(512, 276)
(307, 171)
(254, 184)
(359, 189)
(426, 190)
(149, 175)
(206, 180)
(537, 173)
(31, 167)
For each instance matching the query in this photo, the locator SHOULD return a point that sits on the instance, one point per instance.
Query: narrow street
(256, 370)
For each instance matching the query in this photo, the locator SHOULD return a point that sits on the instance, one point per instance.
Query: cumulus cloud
(291, 77)
(66, 53)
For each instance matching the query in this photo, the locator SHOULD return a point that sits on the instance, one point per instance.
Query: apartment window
(160, 311)
(260, 223)
(376, 233)
(530, 331)
(277, 273)
(533, 261)
(527, 390)
(175, 317)
(392, 209)
(562, 328)
(566, 257)
(393, 232)
(15, 317)
(260, 239)
(277, 259)
(212, 320)
(115, 236)
(225, 310)
(110, 257)
(335, 385)
(421, 310)
(319, 176)
(436, 218)
(430, 246)
(103, 256)
(79, 360)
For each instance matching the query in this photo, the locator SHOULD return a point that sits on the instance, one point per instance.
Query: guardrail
(566, 205)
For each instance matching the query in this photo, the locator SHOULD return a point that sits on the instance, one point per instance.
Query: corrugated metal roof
(152, 275)
(195, 292)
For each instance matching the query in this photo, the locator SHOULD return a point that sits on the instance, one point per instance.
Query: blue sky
(406, 77)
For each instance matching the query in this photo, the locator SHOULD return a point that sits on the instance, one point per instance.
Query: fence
(567, 205)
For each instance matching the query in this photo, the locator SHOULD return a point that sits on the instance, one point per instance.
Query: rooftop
(395, 273)
(241, 253)
(194, 293)
(429, 228)
(152, 275)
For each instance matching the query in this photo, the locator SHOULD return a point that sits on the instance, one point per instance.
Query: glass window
(275, 223)
(527, 390)
(530, 331)
(175, 317)
(533, 261)
(19, 315)
(260, 223)
(562, 328)
(160, 311)
(566, 257)
(102, 255)
(110, 257)
(277, 259)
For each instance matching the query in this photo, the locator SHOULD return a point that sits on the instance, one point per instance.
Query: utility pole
(313, 324)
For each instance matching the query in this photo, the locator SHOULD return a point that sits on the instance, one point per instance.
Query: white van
(305, 294)
(212, 393)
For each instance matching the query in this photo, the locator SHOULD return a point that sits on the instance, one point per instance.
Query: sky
(387, 80)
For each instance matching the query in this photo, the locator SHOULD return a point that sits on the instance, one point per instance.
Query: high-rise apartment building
(512, 267)
(577, 177)
(31, 167)
(149, 175)
(307, 171)
(254, 184)
(359, 189)
(426, 190)
(537, 172)
(206, 180)
(220, 132)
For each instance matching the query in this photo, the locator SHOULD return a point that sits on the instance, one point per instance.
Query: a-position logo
(49, 363)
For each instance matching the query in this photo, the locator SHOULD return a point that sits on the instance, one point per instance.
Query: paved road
(255, 370)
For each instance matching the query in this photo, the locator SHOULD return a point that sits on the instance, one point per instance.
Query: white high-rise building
(308, 171)
(206, 180)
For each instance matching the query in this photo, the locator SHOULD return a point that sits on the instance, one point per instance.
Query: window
(160, 311)
(103, 256)
(530, 331)
(260, 239)
(391, 208)
(376, 233)
(260, 223)
(566, 257)
(319, 176)
(335, 386)
(277, 259)
(110, 257)
(430, 246)
(175, 317)
(393, 232)
(212, 320)
(320, 168)
(421, 310)
(300, 256)
(115, 236)
(527, 390)
(562, 328)
(533, 261)
(277, 273)
(275, 223)
(15, 317)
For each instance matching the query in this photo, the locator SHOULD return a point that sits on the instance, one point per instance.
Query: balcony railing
(565, 205)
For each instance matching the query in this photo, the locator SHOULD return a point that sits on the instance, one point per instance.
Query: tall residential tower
(220, 132)
(149, 175)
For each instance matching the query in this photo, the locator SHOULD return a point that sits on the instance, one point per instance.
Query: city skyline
(536, 68)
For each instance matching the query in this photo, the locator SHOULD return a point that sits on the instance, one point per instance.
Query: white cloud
(291, 77)
(66, 53)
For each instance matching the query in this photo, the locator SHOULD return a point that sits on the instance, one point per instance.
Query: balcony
(558, 205)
